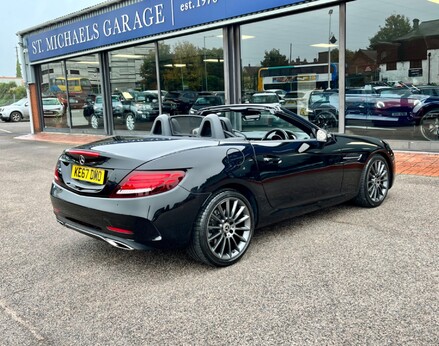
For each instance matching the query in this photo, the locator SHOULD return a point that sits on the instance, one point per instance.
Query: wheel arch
(424, 110)
(430, 107)
(246, 192)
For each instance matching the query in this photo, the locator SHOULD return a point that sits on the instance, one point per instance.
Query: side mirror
(322, 136)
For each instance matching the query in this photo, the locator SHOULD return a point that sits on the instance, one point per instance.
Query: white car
(280, 92)
(52, 107)
(15, 112)
(266, 98)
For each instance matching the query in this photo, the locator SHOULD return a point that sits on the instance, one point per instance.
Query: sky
(23, 14)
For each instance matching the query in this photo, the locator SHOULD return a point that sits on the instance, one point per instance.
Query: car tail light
(146, 183)
(56, 173)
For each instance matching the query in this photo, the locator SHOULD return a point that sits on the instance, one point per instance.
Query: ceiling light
(175, 65)
(243, 37)
(213, 60)
(324, 45)
(434, 1)
(88, 62)
(128, 56)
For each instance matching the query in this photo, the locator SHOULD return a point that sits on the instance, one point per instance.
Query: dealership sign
(143, 19)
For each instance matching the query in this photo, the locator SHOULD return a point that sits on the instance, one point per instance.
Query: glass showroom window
(83, 84)
(393, 69)
(53, 95)
(288, 56)
(133, 84)
(67, 103)
(192, 72)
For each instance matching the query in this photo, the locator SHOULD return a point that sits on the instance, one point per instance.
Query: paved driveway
(345, 275)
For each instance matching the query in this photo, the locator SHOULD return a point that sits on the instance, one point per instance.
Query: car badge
(81, 159)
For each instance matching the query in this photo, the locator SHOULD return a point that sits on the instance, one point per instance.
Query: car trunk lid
(97, 168)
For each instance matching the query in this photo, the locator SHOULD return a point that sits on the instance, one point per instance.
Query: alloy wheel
(130, 122)
(229, 228)
(378, 181)
(430, 126)
(94, 121)
(15, 116)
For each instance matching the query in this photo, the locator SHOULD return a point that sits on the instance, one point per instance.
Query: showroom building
(361, 67)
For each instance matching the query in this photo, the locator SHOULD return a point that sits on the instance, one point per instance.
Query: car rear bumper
(131, 224)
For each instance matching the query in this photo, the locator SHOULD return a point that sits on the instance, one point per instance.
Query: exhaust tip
(118, 244)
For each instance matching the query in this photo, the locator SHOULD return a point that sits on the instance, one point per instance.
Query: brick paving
(411, 163)
(414, 163)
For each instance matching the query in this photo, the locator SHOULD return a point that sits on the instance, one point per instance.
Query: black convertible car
(207, 181)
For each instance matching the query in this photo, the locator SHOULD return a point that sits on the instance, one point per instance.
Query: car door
(299, 172)
(26, 112)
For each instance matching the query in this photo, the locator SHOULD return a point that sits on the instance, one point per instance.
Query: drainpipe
(24, 72)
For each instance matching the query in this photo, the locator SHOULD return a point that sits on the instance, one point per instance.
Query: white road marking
(6, 131)
(13, 314)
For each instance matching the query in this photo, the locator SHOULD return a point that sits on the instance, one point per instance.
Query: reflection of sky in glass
(364, 18)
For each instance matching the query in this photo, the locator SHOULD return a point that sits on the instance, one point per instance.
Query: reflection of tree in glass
(335, 55)
(148, 69)
(274, 58)
(395, 26)
(184, 67)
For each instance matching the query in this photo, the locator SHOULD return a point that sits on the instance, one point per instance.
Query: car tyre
(430, 125)
(374, 183)
(15, 116)
(223, 229)
(130, 122)
(94, 121)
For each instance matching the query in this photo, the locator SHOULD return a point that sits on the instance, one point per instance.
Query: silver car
(15, 112)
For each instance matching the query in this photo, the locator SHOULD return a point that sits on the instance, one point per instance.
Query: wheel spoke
(214, 236)
(216, 218)
(244, 218)
(233, 211)
(223, 241)
(235, 245)
(221, 211)
(243, 239)
(238, 213)
(220, 241)
(229, 244)
(244, 229)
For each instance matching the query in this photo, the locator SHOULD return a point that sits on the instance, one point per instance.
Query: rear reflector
(141, 183)
(119, 230)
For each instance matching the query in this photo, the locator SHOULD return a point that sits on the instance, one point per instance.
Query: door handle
(272, 160)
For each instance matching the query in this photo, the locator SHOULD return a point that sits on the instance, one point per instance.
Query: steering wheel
(276, 134)
(291, 134)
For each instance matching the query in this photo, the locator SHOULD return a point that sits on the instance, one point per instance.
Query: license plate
(92, 175)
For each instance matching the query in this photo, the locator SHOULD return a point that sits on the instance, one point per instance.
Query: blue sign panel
(143, 19)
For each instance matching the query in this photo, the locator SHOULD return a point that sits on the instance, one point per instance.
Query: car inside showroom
(366, 67)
